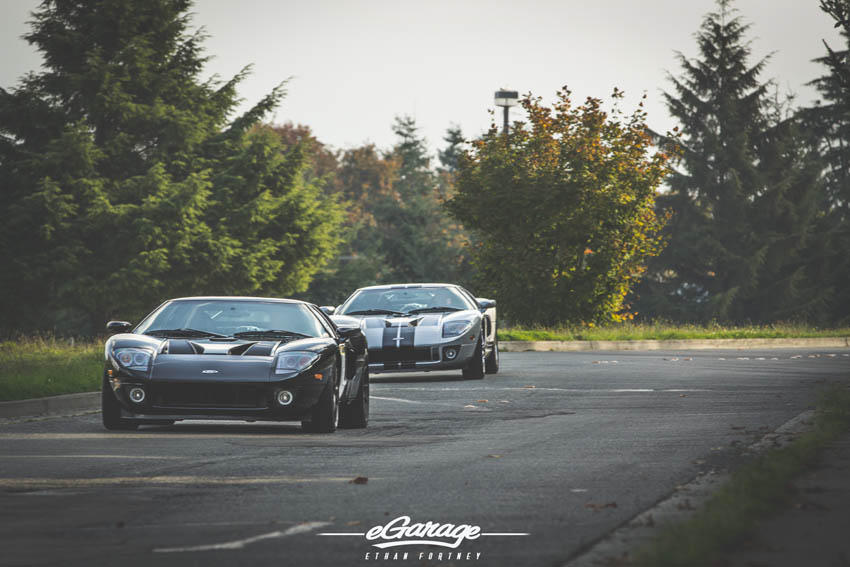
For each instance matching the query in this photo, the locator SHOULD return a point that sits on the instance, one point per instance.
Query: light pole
(506, 99)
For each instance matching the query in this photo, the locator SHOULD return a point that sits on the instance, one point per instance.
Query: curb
(679, 344)
(52, 405)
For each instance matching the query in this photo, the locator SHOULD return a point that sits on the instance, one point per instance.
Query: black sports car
(247, 358)
(423, 327)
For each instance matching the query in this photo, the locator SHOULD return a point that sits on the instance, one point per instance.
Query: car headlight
(133, 358)
(294, 362)
(455, 328)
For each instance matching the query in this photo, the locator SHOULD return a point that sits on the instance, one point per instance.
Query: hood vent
(403, 322)
(253, 349)
(182, 346)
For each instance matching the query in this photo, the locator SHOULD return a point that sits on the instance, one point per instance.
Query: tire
(110, 410)
(475, 369)
(355, 415)
(325, 416)
(491, 363)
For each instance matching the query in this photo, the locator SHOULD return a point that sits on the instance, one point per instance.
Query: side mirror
(348, 332)
(328, 309)
(116, 327)
(485, 304)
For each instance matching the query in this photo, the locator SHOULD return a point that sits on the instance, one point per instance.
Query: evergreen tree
(831, 123)
(417, 235)
(396, 229)
(744, 201)
(124, 181)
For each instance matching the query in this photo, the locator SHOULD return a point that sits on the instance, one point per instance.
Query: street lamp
(506, 99)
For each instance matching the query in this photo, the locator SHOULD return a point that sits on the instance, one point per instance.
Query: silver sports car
(423, 327)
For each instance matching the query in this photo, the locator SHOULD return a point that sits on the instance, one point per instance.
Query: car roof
(238, 298)
(407, 286)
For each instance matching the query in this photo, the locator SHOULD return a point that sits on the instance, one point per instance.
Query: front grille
(426, 354)
(171, 395)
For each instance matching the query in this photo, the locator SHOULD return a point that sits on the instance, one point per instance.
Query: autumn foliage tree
(563, 210)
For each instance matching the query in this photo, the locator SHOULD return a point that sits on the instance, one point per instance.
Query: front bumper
(253, 401)
(421, 359)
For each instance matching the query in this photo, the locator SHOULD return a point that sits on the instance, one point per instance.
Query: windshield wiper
(373, 312)
(433, 309)
(270, 333)
(183, 332)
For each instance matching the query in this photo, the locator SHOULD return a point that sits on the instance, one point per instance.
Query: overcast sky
(355, 64)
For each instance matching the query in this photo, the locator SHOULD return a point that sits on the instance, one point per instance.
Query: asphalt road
(562, 447)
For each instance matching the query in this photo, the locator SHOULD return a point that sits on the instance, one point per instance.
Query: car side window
(326, 321)
(469, 295)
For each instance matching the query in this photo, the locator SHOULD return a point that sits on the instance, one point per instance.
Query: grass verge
(37, 367)
(756, 490)
(666, 331)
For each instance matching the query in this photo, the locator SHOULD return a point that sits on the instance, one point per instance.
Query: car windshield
(220, 317)
(405, 300)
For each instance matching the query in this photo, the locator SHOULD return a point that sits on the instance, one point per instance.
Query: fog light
(284, 398)
(450, 353)
(137, 395)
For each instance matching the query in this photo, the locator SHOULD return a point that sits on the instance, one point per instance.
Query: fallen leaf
(504, 402)
(482, 401)
(596, 506)
(352, 523)
(595, 362)
(682, 395)
(468, 406)
(359, 480)
(495, 456)
(698, 461)
(529, 386)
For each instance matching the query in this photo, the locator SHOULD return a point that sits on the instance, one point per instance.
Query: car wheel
(110, 410)
(325, 416)
(475, 369)
(356, 414)
(491, 363)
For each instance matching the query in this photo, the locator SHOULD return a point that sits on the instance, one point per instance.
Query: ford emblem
(209, 372)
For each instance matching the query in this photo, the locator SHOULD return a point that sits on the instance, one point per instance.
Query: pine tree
(744, 200)
(417, 238)
(125, 181)
(831, 123)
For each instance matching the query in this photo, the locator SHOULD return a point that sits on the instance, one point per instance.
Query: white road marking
(537, 389)
(89, 457)
(240, 543)
(163, 480)
(397, 400)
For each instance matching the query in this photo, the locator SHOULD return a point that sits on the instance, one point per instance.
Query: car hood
(418, 330)
(212, 360)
